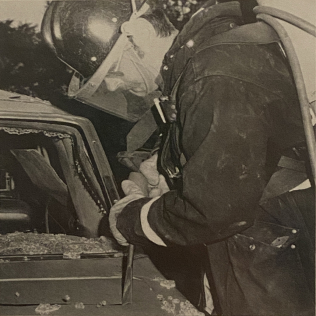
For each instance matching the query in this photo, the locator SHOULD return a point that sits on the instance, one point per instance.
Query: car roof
(19, 103)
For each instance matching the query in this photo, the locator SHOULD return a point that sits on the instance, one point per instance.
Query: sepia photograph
(157, 157)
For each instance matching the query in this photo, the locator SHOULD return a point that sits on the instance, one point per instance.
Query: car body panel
(29, 280)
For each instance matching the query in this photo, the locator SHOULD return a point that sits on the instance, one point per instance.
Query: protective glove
(132, 192)
(160, 189)
(157, 184)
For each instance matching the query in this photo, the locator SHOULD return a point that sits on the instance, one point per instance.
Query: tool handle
(127, 296)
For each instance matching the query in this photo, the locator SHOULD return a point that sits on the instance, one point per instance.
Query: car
(56, 250)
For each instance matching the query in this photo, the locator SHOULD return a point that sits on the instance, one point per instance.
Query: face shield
(96, 92)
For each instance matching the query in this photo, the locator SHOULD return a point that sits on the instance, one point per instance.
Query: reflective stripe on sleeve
(149, 233)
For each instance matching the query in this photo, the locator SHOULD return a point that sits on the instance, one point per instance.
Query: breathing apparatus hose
(287, 17)
(270, 16)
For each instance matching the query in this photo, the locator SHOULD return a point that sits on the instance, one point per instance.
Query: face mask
(149, 75)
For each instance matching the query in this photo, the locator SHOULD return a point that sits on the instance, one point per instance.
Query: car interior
(34, 187)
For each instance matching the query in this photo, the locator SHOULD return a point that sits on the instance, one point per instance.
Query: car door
(32, 127)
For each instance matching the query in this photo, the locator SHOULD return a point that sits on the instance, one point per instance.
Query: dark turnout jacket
(238, 113)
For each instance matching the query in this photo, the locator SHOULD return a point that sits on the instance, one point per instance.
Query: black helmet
(82, 34)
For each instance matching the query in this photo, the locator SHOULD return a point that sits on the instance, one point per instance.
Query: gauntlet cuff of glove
(129, 223)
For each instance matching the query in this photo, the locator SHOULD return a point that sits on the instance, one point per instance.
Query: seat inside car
(33, 192)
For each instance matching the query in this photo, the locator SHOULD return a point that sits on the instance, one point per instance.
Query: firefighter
(232, 138)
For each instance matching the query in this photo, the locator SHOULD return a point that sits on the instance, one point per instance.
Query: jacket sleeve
(224, 139)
